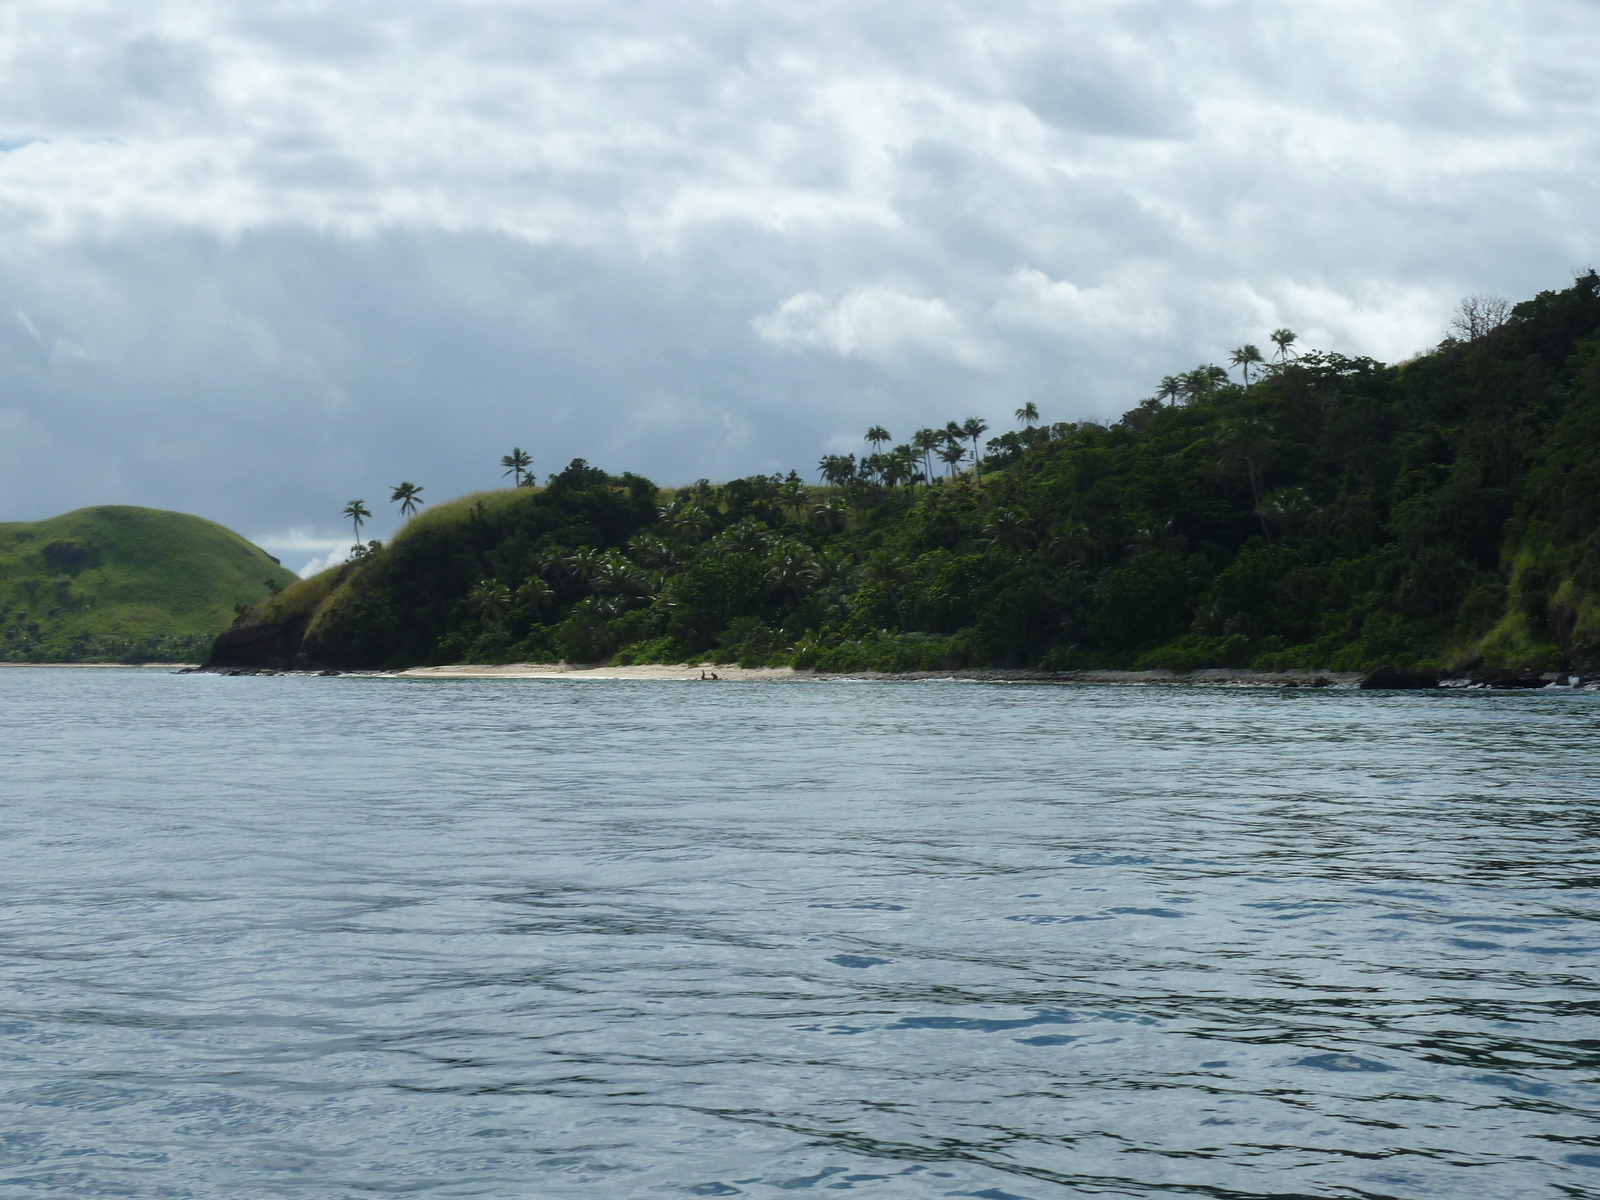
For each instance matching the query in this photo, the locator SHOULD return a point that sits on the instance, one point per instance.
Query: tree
(1478, 316)
(1287, 508)
(1008, 529)
(794, 495)
(832, 515)
(517, 462)
(792, 566)
(358, 513)
(878, 435)
(536, 594)
(490, 598)
(1248, 441)
(1171, 388)
(1283, 339)
(583, 564)
(973, 430)
(408, 496)
(1201, 382)
(1028, 414)
(837, 469)
(954, 451)
(1070, 543)
(925, 442)
(1245, 357)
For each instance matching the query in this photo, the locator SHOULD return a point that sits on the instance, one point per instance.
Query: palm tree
(925, 442)
(1008, 529)
(1171, 388)
(408, 496)
(952, 453)
(1028, 414)
(1283, 339)
(491, 598)
(358, 513)
(1286, 508)
(832, 515)
(975, 429)
(517, 462)
(583, 563)
(1070, 543)
(536, 594)
(793, 494)
(792, 566)
(1244, 357)
(878, 435)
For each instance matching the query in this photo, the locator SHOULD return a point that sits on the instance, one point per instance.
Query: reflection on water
(344, 937)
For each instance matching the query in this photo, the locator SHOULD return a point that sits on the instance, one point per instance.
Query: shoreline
(149, 666)
(728, 673)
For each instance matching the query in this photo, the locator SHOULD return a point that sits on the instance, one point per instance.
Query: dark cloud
(260, 258)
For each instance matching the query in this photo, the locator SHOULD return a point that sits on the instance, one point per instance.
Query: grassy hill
(121, 584)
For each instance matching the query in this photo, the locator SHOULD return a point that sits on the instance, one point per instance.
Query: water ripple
(273, 937)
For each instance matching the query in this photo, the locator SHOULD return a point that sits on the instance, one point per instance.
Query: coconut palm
(793, 494)
(832, 515)
(491, 598)
(1283, 339)
(1008, 529)
(925, 442)
(743, 537)
(517, 463)
(583, 564)
(1244, 358)
(952, 454)
(1171, 388)
(359, 514)
(408, 496)
(1028, 414)
(1070, 543)
(878, 435)
(792, 566)
(975, 429)
(1287, 508)
(536, 594)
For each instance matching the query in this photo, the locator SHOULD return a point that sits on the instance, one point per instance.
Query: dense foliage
(122, 584)
(1334, 513)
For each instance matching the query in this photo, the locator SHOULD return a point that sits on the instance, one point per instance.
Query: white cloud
(875, 323)
(264, 258)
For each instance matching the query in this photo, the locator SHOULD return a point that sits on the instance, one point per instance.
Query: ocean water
(355, 937)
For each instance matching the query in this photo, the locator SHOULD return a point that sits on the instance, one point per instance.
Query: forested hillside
(1333, 513)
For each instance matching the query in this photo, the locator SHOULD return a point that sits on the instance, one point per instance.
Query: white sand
(567, 671)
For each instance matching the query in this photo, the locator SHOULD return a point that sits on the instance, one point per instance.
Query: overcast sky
(262, 257)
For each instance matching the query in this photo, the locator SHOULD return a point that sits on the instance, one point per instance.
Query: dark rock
(1502, 680)
(1387, 679)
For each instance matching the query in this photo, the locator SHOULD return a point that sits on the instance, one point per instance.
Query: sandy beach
(732, 674)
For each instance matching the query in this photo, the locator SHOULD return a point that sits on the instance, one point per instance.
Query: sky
(259, 258)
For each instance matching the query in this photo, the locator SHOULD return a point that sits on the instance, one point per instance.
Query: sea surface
(358, 937)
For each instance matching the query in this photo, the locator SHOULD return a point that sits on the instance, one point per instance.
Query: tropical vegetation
(1319, 511)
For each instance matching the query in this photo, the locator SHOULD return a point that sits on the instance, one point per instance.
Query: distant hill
(115, 583)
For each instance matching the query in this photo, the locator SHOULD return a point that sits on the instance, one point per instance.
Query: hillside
(121, 584)
(1334, 513)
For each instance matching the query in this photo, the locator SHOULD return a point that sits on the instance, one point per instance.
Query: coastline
(1221, 677)
(149, 666)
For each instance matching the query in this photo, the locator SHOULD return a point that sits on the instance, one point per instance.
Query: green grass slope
(115, 583)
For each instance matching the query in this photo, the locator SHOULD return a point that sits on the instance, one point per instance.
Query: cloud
(265, 258)
(875, 323)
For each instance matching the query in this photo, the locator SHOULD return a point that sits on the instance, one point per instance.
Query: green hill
(1334, 512)
(120, 584)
